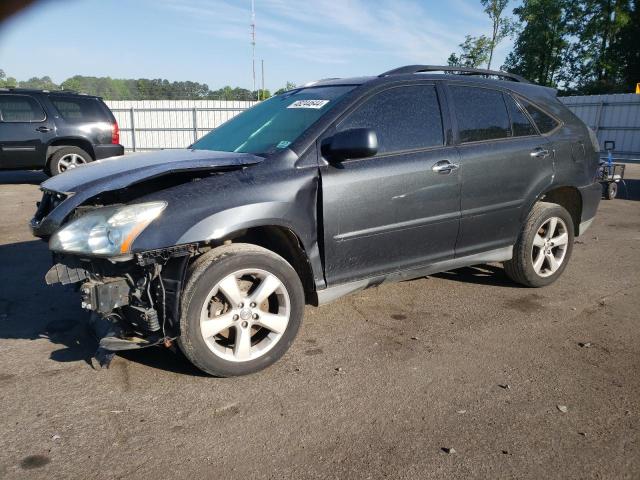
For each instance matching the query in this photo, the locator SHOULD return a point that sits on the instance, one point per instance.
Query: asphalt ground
(380, 384)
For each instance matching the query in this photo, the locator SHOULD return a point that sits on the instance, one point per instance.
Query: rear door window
(79, 109)
(404, 118)
(520, 123)
(481, 114)
(544, 122)
(20, 108)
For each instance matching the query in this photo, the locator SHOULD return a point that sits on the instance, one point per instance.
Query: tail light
(115, 133)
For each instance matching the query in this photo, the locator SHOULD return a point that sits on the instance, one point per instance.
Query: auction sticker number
(315, 104)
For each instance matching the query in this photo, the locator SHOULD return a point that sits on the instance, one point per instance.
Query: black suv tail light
(115, 133)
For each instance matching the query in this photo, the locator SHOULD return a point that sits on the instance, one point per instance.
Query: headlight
(107, 231)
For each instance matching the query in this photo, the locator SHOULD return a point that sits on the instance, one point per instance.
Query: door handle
(539, 152)
(43, 129)
(444, 167)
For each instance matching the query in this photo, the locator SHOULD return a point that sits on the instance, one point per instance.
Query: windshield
(273, 124)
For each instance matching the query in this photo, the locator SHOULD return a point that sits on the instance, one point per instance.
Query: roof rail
(462, 70)
(37, 90)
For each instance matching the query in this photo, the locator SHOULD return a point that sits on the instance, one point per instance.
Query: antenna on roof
(253, 42)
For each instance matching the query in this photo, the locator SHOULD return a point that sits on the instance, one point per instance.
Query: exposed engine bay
(134, 304)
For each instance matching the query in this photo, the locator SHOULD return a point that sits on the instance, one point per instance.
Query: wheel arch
(283, 241)
(569, 198)
(79, 142)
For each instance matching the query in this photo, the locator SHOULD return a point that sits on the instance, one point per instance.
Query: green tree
(594, 57)
(7, 81)
(262, 94)
(289, 86)
(625, 48)
(501, 26)
(42, 83)
(541, 42)
(474, 51)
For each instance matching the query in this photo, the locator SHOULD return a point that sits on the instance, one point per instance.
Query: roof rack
(38, 90)
(461, 70)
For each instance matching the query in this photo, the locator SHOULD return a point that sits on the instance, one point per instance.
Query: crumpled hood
(119, 172)
(110, 174)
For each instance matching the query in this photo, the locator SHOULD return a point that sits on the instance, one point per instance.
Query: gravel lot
(378, 384)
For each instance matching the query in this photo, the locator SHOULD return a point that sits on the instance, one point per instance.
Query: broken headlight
(106, 231)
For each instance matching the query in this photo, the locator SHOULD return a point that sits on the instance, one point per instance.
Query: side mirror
(353, 143)
(609, 145)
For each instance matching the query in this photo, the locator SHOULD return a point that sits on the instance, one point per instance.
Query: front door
(400, 208)
(24, 132)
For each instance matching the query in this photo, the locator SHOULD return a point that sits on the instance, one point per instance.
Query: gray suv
(314, 194)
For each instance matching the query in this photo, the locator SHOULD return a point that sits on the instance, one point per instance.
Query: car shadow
(29, 177)
(30, 310)
(480, 275)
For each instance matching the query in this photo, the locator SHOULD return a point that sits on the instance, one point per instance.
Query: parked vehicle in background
(54, 131)
(316, 193)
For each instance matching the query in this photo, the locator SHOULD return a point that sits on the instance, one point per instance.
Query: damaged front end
(91, 218)
(135, 303)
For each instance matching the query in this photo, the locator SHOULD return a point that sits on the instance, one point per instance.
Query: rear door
(25, 131)
(392, 211)
(503, 163)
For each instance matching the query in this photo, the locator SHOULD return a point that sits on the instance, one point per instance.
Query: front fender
(221, 224)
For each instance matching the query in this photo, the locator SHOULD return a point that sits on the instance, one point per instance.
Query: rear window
(544, 122)
(520, 123)
(481, 114)
(79, 110)
(20, 108)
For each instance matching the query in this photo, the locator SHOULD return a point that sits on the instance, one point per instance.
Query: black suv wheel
(241, 309)
(543, 248)
(67, 158)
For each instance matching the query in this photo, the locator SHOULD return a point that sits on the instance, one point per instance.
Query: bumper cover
(108, 150)
(591, 196)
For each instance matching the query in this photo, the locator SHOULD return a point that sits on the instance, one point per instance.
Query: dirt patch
(527, 304)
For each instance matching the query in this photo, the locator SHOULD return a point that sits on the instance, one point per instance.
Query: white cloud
(339, 31)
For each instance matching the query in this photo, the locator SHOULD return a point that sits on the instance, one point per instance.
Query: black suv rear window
(78, 109)
(481, 114)
(544, 122)
(520, 123)
(404, 118)
(20, 108)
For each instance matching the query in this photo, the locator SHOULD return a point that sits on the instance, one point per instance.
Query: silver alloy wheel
(245, 315)
(69, 161)
(549, 247)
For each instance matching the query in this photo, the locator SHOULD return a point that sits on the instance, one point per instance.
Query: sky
(208, 41)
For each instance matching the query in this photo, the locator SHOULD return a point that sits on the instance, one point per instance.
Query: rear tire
(242, 307)
(612, 191)
(543, 248)
(66, 158)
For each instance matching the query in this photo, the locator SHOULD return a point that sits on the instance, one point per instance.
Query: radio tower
(253, 43)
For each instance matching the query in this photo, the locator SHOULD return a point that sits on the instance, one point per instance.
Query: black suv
(316, 193)
(55, 131)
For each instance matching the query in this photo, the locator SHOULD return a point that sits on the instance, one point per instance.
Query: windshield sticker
(315, 104)
(283, 144)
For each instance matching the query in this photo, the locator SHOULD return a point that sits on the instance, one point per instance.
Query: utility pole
(253, 42)
(262, 89)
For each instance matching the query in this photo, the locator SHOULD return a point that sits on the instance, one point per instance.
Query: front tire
(543, 248)
(242, 307)
(612, 191)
